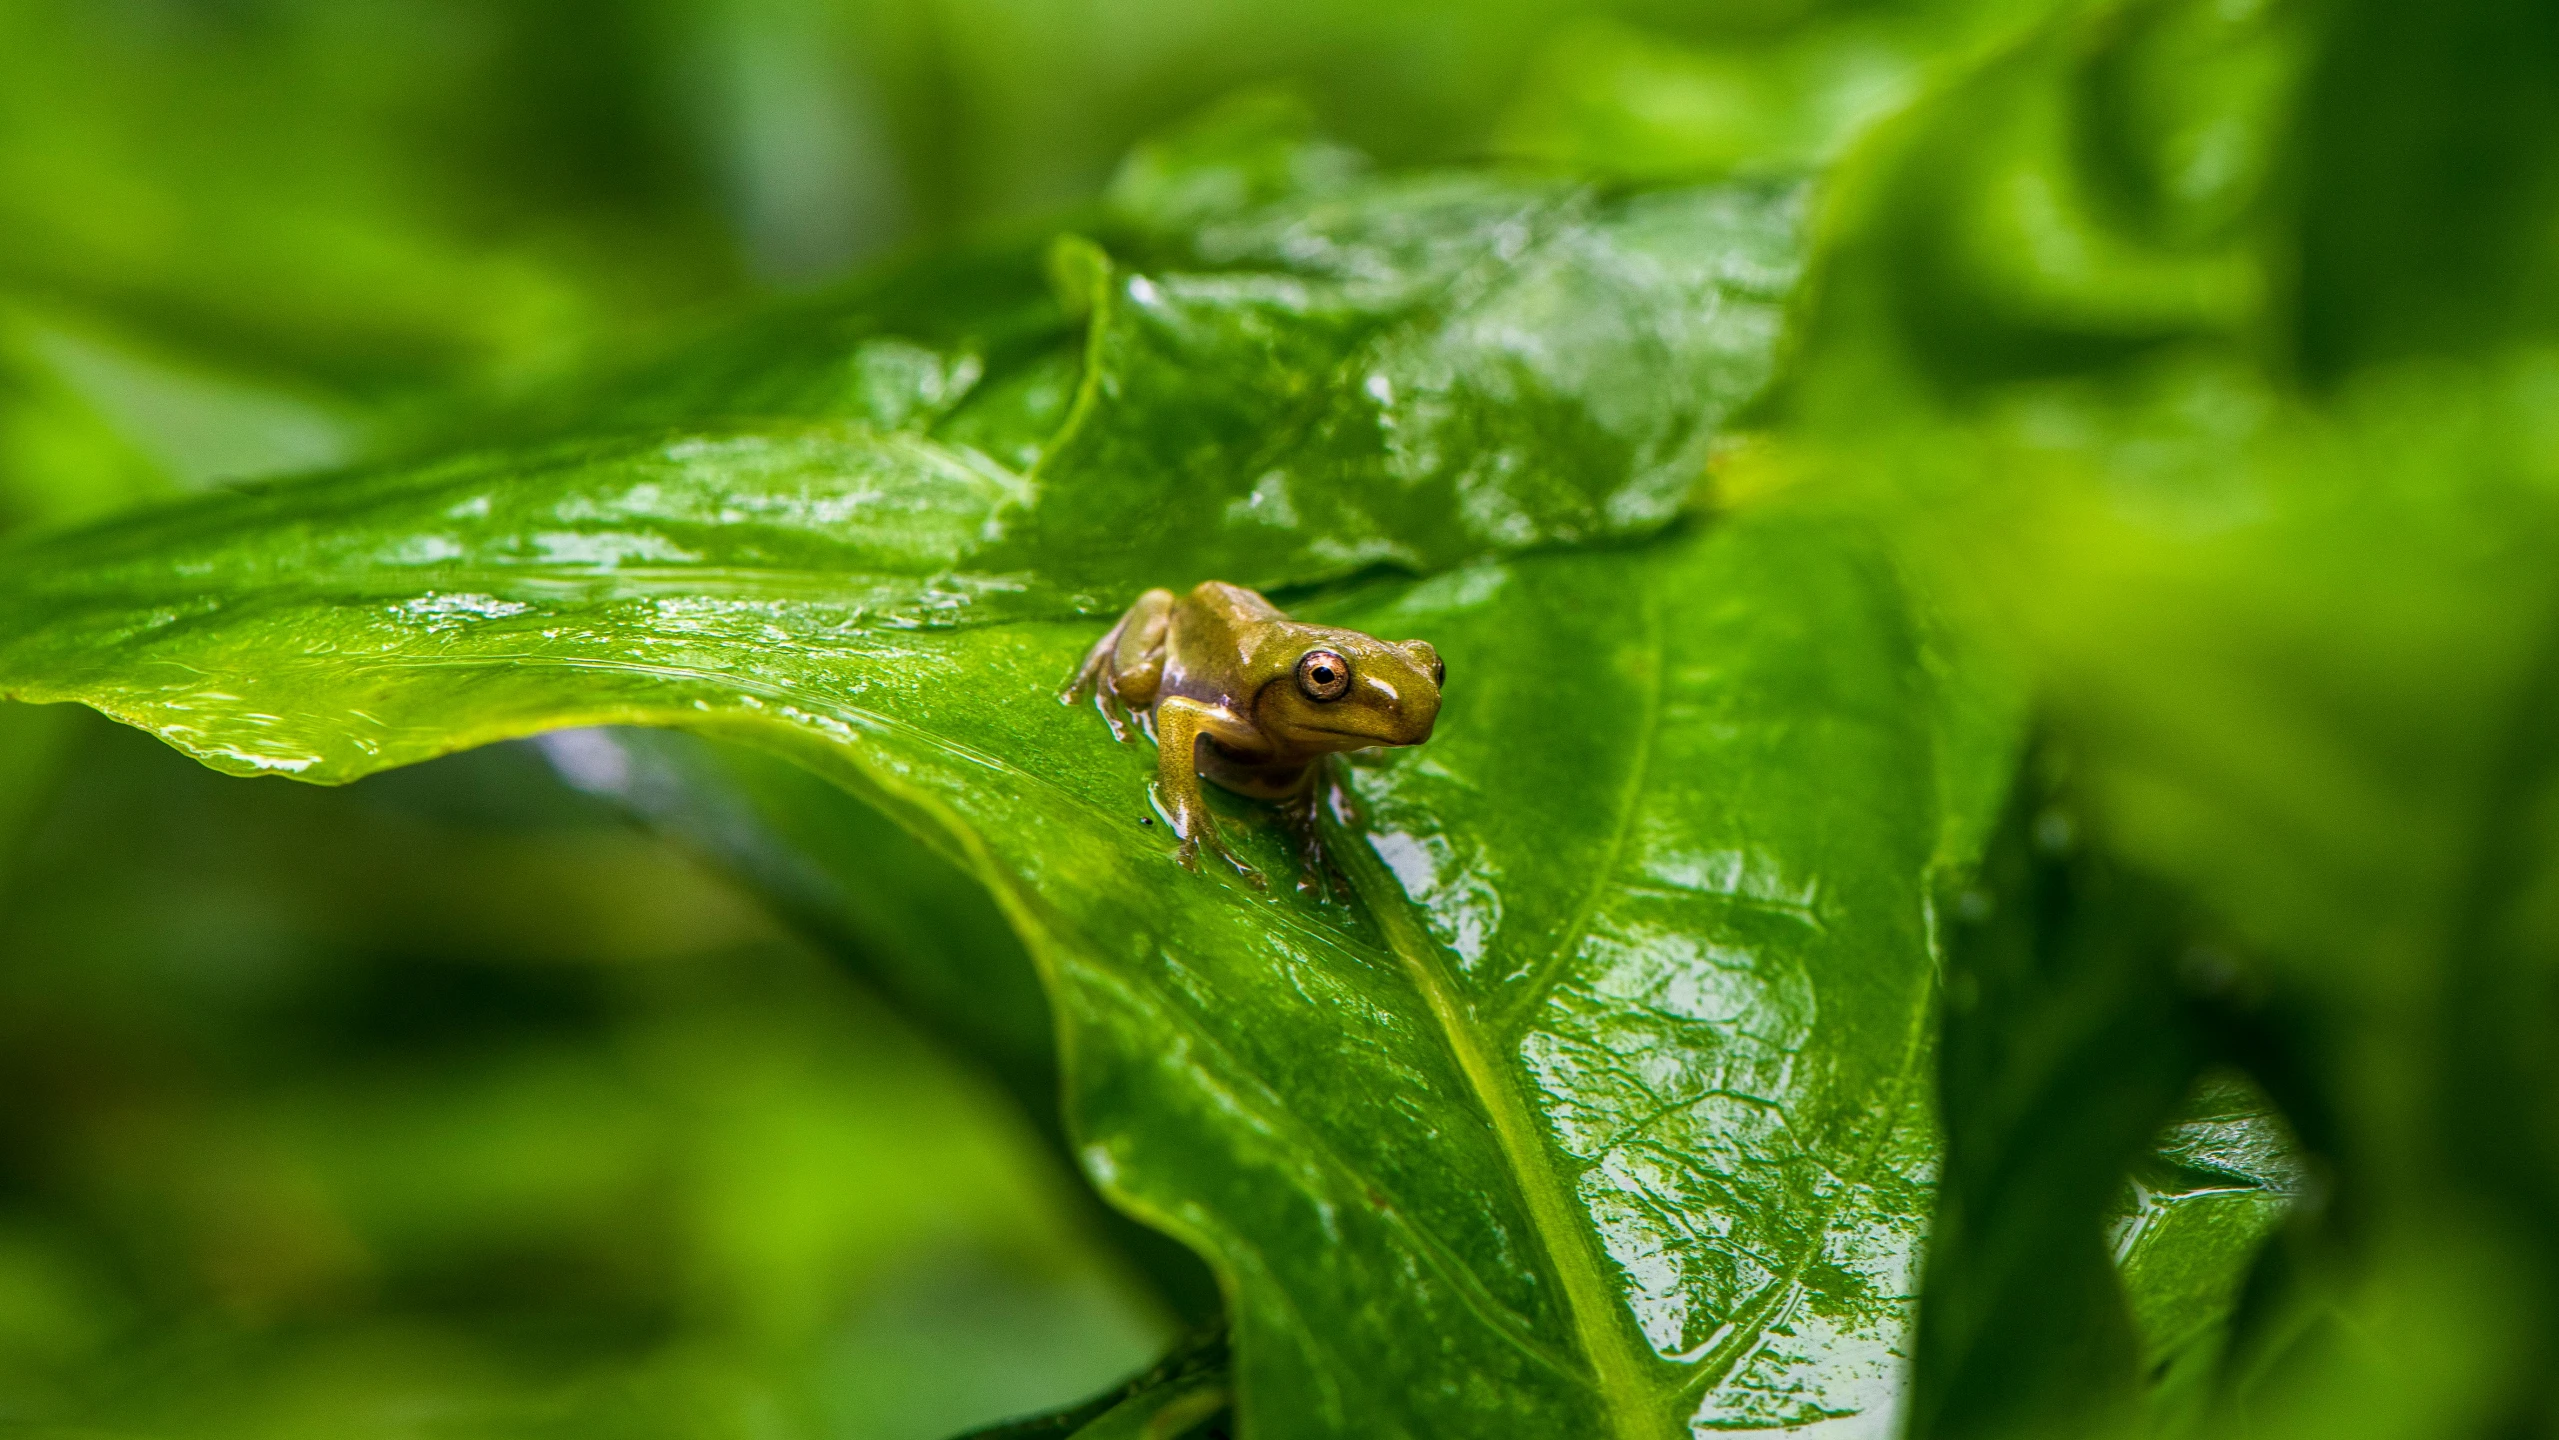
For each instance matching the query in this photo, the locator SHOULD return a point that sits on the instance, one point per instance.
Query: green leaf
(2219, 1181)
(2297, 648)
(1658, 1102)
(1412, 372)
(1170, 1399)
(2083, 1241)
(2086, 194)
(2307, 653)
(1622, 1126)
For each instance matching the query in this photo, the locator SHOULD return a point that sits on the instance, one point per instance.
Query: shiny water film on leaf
(1620, 1133)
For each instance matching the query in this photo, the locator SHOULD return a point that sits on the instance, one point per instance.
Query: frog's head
(1347, 691)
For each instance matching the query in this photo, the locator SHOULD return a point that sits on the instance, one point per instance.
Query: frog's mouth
(1362, 736)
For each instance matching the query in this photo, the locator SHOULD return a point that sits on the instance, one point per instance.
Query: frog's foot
(1314, 867)
(1198, 830)
(1086, 679)
(1114, 714)
(1093, 678)
(1216, 845)
(1105, 699)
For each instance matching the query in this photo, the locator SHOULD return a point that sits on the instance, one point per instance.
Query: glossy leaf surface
(1502, 1144)
(1622, 1129)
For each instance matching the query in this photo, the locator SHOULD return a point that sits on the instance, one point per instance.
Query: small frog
(1234, 690)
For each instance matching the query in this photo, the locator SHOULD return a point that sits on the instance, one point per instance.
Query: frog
(1235, 692)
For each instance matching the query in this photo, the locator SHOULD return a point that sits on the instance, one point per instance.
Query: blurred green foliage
(453, 1106)
(2191, 361)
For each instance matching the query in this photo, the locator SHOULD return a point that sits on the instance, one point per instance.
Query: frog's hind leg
(1125, 667)
(1092, 678)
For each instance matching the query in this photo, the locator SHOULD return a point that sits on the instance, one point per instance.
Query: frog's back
(1226, 643)
(1233, 603)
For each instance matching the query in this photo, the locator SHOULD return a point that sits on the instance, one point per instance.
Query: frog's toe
(1243, 867)
(1315, 878)
(1313, 875)
(1112, 714)
(1244, 870)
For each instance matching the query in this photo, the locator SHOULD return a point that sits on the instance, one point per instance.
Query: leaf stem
(1618, 1369)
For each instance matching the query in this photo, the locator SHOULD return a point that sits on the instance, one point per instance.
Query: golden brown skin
(1234, 690)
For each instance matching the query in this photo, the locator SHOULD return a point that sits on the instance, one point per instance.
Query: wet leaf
(1604, 1111)
(1631, 1138)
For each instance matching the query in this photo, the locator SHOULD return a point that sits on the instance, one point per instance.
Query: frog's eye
(1323, 675)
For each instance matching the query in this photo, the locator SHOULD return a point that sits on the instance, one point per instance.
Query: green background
(2017, 537)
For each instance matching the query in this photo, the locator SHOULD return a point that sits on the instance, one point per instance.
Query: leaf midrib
(1617, 1370)
(1273, 1110)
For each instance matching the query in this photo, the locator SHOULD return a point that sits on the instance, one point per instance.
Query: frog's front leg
(1179, 724)
(1125, 667)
